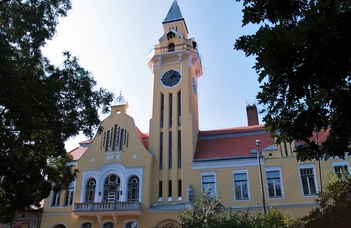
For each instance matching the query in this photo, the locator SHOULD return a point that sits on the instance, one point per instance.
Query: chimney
(252, 115)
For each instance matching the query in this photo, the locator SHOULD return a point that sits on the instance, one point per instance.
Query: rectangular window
(160, 189)
(108, 140)
(274, 184)
(162, 109)
(241, 185)
(170, 109)
(308, 182)
(179, 188)
(170, 150)
(69, 197)
(161, 150)
(169, 191)
(179, 149)
(340, 168)
(122, 141)
(103, 135)
(179, 109)
(55, 200)
(209, 184)
(115, 137)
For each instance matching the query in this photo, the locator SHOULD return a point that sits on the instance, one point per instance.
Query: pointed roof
(79, 151)
(173, 13)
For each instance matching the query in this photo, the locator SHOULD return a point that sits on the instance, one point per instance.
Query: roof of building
(174, 13)
(79, 151)
(231, 143)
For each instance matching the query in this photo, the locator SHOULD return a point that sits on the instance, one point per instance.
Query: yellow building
(131, 179)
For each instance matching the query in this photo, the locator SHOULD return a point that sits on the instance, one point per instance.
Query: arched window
(171, 47)
(112, 188)
(108, 225)
(90, 191)
(133, 189)
(86, 225)
(131, 225)
(60, 226)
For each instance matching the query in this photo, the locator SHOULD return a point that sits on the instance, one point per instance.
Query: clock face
(171, 78)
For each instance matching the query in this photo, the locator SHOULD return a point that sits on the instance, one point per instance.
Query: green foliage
(275, 218)
(41, 105)
(244, 219)
(303, 55)
(209, 213)
(334, 203)
(205, 212)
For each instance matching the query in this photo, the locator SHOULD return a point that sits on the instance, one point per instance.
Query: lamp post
(258, 143)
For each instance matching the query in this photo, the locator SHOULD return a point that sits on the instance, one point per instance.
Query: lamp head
(258, 142)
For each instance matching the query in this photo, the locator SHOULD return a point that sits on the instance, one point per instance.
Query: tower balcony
(173, 50)
(107, 208)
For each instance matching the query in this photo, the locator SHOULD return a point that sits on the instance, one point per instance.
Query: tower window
(161, 150)
(179, 188)
(169, 189)
(170, 150)
(162, 109)
(179, 149)
(171, 47)
(170, 109)
(179, 109)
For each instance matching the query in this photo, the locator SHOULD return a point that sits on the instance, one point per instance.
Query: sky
(112, 39)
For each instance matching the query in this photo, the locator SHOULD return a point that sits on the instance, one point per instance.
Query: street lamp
(258, 143)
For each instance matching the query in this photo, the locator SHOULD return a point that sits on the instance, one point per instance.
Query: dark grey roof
(173, 13)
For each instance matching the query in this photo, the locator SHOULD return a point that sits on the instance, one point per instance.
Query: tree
(334, 203)
(205, 212)
(41, 105)
(303, 60)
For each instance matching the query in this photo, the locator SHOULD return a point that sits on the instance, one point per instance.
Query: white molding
(112, 168)
(219, 164)
(275, 168)
(248, 184)
(306, 166)
(209, 173)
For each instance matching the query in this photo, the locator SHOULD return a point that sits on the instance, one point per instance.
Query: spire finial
(120, 99)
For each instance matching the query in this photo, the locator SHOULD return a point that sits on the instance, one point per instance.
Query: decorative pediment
(170, 34)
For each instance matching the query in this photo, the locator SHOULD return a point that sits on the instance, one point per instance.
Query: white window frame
(128, 221)
(308, 166)
(55, 197)
(210, 173)
(248, 184)
(69, 191)
(341, 163)
(275, 168)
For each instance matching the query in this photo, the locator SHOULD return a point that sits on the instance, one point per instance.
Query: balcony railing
(175, 48)
(107, 206)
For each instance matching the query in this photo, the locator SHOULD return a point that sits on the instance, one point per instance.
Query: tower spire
(173, 13)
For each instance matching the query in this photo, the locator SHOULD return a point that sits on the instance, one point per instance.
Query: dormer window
(171, 47)
(170, 35)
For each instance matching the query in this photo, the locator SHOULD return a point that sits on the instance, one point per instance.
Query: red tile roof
(79, 151)
(144, 138)
(231, 143)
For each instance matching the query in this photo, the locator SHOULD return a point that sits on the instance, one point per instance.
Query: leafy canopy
(334, 203)
(41, 105)
(303, 60)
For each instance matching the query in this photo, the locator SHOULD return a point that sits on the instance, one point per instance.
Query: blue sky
(112, 39)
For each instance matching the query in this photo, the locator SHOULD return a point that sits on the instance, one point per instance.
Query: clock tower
(174, 125)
